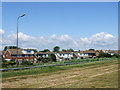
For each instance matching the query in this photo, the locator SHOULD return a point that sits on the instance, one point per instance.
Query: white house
(59, 55)
(28, 51)
(43, 54)
(85, 54)
(65, 55)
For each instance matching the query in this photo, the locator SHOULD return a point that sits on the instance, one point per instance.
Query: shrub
(81, 57)
(53, 57)
(115, 55)
(7, 63)
(39, 59)
(102, 55)
(26, 62)
(4, 65)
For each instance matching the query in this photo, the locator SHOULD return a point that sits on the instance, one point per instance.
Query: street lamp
(17, 33)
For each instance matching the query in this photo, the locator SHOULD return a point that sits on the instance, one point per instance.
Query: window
(26, 55)
(28, 51)
(26, 59)
(19, 55)
(31, 55)
(13, 55)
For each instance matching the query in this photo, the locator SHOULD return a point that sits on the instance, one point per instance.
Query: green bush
(102, 55)
(8, 63)
(52, 57)
(26, 63)
(4, 65)
(115, 55)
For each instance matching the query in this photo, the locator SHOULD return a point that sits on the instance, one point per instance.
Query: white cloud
(24, 40)
(2, 31)
(53, 36)
(21, 36)
(102, 35)
(101, 40)
(1, 41)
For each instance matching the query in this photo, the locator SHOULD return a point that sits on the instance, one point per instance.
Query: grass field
(100, 74)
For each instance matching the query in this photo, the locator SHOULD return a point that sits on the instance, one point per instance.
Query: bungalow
(111, 52)
(59, 55)
(86, 54)
(43, 54)
(69, 55)
(64, 55)
(23, 54)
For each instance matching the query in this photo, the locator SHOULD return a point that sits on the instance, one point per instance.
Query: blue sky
(76, 19)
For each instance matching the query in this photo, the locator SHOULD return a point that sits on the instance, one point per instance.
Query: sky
(60, 0)
(77, 25)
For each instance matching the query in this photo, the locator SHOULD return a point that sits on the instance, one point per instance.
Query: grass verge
(62, 62)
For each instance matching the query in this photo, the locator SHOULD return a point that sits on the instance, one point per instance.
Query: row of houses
(31, 55)
(23, 54)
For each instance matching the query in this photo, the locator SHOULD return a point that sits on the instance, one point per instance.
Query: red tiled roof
(63, 52)
(45, 52)
(87, 51)
(53, 52)
(14, 51)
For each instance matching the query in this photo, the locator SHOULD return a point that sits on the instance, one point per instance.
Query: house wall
(28, 51)
(28, 58)
(82, 54)
(7, 55)
(65, 55)
(42, 55)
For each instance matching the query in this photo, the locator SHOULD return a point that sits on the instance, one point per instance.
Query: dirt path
(65, 78)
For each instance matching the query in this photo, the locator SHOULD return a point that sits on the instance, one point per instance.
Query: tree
(46, 50)
(53, 57)
(10, 47)
(5, 48)
(71, 50)
(115, 55)
(92, 49)
(64, 50)
(56, 49)
(102, 54)
(35, 50)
